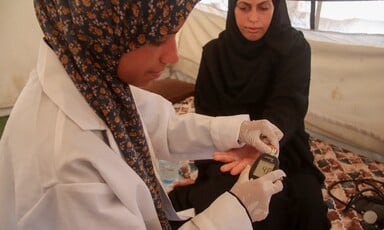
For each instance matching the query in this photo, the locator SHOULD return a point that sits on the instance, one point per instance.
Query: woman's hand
(184, 182)
(236, 159)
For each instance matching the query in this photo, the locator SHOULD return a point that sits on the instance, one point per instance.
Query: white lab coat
(60, 167)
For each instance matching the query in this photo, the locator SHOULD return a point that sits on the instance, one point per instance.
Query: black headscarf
(279, 30)
(89, 38)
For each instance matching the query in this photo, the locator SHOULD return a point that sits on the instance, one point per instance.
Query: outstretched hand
(236, 159)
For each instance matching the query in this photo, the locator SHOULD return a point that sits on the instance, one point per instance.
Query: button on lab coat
(60, 167)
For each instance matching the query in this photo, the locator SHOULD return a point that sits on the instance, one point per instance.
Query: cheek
(129, 69)
(268, 19)
(238, 18)
(134, 66)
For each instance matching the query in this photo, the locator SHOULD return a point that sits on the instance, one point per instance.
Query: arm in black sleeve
(287, 105)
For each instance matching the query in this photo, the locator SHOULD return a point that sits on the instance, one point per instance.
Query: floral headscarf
(89, 37)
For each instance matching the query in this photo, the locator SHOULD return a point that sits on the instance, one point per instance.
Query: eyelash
(246, 8)
(158, 42)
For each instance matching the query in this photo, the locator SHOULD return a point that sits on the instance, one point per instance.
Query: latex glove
(255, 195)
(261, 134)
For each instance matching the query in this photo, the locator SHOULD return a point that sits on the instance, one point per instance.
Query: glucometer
(264, 164)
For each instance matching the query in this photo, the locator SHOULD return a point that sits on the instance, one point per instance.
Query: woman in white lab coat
(79, 146)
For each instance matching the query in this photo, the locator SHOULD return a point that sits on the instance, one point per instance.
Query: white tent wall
(346, 98)
(20, 37)
(346, 95)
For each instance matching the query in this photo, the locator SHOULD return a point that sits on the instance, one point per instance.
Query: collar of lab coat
(57, 84)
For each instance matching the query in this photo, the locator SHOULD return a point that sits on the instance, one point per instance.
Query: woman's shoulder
(299, 44)
(301, 41)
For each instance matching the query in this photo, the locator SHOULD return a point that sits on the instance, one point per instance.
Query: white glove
(261, 134)
(255, 195)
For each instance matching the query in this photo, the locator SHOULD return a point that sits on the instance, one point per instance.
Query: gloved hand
(255, 195)
(261, 134)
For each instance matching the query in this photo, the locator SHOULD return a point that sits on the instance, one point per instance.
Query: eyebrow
(248, 3)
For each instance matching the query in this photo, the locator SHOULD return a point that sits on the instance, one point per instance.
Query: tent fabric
(346, 78)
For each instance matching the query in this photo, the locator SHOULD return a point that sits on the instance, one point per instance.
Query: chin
(253, 38)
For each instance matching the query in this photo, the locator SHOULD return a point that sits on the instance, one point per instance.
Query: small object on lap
(264, 164)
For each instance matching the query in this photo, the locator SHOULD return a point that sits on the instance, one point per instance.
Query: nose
(169, 52)
(253, 15)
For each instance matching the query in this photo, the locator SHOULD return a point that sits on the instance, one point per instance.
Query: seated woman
(260, 65)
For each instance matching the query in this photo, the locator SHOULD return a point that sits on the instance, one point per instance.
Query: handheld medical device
(267, 162)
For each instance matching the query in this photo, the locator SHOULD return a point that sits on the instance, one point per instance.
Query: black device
(372, 209)
(368, 200)
(264, 164)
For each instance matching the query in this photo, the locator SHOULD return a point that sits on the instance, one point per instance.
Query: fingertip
(244, 175)
(234, 172)
(215, 154)
(280, 173)
(281, 134)
(275, 175)
(275, 144)
(266, 148)
(223, 168)
(278, 186)
(247, 167)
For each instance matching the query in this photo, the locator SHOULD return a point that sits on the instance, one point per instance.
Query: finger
(268, 133)
(218, 153)
(223, 157)
(244, 176)
(239, 168)
(261, 146)
(277, 186)
(228, 167)
(278, 133)
(274, 175)
(271, 139)
(275, 145)
(278, 136)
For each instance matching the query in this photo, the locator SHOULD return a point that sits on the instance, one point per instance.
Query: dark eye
(160, 41)
(243, 7)
(265, 6)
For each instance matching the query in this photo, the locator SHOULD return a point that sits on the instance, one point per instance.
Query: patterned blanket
(338, 165)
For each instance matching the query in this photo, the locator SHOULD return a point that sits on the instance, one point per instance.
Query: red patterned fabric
(341, 164)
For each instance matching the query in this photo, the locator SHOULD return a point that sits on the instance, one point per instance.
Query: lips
(155, 74)
(253, 30)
